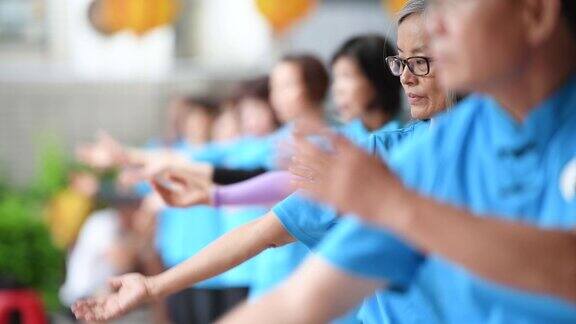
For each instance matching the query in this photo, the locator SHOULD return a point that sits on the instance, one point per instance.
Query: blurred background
(59, 75)
(69, 68)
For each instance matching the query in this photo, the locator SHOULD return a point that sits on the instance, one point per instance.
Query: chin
(419, 112)
(347, 117)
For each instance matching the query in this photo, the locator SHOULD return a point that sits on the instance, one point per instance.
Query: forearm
(267, 188)
(517, 255)
(224, 176)
(277, 307)
(223, 254)
(312, 295)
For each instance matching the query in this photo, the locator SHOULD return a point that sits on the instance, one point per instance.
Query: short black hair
(257, 88)
(206, 105)
(314, 74)
(369, 52)
(569, 11)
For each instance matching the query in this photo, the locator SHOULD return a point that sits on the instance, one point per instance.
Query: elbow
(273, 233)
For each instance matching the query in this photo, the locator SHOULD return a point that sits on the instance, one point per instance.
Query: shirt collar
(539, 126)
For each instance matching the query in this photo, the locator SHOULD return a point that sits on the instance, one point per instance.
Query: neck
(198, 140)
(373, 119)
(546, 73)
(313, 113)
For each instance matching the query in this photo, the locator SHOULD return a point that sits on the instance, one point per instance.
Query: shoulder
(420, 158)
(383, 142)
(102, 219)
(451, 127)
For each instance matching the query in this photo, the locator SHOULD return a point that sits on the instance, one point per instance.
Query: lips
(415, 99)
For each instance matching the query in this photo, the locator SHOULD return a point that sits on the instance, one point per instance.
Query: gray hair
(417, 7)
(411, 7)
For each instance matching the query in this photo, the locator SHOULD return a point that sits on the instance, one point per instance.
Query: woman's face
(175, 117)
(288, 91)
(353, 93)
(226, 126)
(425, 97)
(196, 126)
(256, 117)
(477, 44)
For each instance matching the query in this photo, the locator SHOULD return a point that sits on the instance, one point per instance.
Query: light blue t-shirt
(277, 141)
(479, 158)
(308, 221)
(183, 232)
(271, 267)
(244, 153)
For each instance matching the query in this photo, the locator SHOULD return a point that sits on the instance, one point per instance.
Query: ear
(542, 18)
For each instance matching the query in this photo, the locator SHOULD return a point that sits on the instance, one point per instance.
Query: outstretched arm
(223, 254)
(269, 188)
(312, 295)
(514, 254)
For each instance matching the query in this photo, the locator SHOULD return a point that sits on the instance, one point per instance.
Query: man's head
(478, 44)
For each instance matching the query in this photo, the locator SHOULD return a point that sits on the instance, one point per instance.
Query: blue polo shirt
(277, 140)
(244, 153)
(479, 158)
(183, 232)
(308, 221)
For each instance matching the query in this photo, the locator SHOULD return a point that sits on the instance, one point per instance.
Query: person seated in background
(112, 241)
(68, 209)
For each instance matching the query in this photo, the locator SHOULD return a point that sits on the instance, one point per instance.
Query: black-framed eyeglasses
(418, 65)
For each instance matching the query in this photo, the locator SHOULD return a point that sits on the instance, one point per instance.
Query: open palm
(129, 291)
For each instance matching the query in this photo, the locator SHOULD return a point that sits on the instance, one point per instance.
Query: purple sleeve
(268, 188)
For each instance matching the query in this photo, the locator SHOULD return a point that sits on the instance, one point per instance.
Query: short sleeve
(306, 220)
(366, 251)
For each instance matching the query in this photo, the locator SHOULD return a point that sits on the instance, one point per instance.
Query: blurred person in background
(479, 212)
(299, 84)
(183, 232)
(69, 208)
(361, 95)
(348, 241)
(111, 242)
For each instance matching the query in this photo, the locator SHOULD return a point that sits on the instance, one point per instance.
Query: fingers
(81, 307)
(163, 192)
(177, 195)
(115, 283)
(308, 187)
(88, 309)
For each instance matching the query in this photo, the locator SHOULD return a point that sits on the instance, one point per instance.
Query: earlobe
(542, 19)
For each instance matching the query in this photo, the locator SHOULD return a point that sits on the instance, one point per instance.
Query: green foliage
(27, 254)
(51, 168)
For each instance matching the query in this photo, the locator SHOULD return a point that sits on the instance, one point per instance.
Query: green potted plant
(28, 258)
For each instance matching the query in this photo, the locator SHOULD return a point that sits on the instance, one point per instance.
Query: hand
(303, 168)
(349, 179)
(183, 188)
(129, 291)
(144, 165)
(104, 153)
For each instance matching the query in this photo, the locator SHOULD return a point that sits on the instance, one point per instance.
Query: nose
(408, 78)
